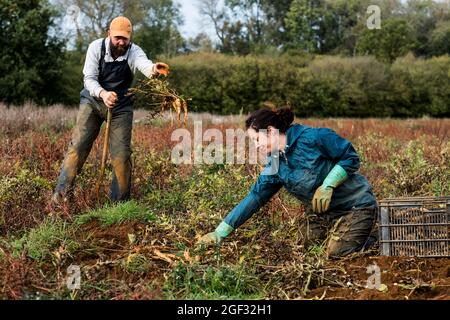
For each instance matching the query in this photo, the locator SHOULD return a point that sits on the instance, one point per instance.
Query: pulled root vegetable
(155, 96)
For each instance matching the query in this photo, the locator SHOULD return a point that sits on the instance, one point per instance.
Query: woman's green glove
(322, 197)
(209, 239)
(216, 237)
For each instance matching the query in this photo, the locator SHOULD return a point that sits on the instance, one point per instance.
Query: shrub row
(324, 86)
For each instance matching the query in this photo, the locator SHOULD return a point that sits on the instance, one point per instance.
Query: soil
(106, 249)
(405, 278)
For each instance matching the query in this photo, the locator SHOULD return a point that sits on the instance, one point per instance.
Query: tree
(262, 20)
(91, 18)
(231, 34)
(236, 40)
(154, 21)
(393, 40)
(425, 16)
(217, 15)
(305, 24)
(349, 17)
(31, 59)
(275, 24)
(201, 43)
(250, 20)
(157, 32)
(440, 39)
(247, 26)
(325, 26)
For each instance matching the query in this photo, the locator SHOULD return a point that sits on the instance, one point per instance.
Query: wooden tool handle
(105, 153)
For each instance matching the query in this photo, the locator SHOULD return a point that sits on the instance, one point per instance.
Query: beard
(117, 51)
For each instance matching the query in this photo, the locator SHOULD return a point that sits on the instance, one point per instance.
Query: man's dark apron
(114, 76)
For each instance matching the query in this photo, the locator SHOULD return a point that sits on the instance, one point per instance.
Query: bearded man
(108, 73)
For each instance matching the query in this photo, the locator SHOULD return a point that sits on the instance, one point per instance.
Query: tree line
(315, 86)
(43, 52)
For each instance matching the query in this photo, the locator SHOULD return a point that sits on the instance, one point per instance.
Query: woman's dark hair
(280, 119)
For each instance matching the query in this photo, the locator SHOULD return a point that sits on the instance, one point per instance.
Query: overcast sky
(193, 23)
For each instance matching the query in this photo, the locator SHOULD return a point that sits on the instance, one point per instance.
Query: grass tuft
(117, 213)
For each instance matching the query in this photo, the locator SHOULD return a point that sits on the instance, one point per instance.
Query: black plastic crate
(414, 226)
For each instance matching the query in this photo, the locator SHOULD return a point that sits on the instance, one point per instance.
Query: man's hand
(109, 98)
(161, 68)
(322, 199)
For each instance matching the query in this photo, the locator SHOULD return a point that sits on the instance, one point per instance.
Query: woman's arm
(346, 161)
(266, 186)
(338, 149)
(261, 192)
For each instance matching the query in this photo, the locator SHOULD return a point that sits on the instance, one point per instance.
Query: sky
(193, 23)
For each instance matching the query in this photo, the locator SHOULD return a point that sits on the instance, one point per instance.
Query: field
(144, 249)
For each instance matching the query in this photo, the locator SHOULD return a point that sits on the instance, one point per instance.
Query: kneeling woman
(318, 167)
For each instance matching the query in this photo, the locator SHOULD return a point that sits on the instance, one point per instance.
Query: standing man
(108, 74)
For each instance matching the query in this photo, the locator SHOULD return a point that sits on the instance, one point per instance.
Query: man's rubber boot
(58, 199)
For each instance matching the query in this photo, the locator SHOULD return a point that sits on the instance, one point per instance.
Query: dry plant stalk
(156, 96)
